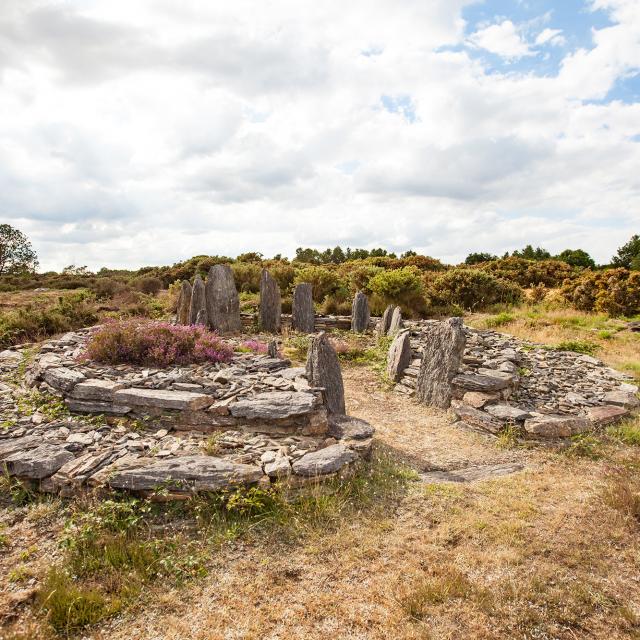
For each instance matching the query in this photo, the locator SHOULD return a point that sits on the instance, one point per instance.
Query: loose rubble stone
(223, 304)
(395, 323)
(198, 303)
(440, 362)
(476, 418)
(279, 466)
(63, 379)
(478, 399)
(96, 389)
(327, 460)
(323, 370)
(507, 412)
(184, 300)
(622, 399)
(270, 303)
(399, 356)
(360, 314)
(162, 399)
(482, 383)
(348, 427)
(607, 414)
(302, 311)
(556, 426)
(274, 405)
(37, 463)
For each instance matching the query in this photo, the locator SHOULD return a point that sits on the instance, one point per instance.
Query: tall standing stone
(323, 370)
(302, 312)
(198, 307)
(270, 303)
(383, 324)
(360, 314)
(395, 324)
(443, 349)
(184, 300)
(223, 304)
(399, 356)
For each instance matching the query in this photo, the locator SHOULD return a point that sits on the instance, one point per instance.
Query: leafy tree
(310, 256)
(16, 253)
(478, 258)
(529, 253)
(408, 254)
(577, 258)
(628, 255)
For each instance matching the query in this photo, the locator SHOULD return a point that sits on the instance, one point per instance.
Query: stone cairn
(494, 381)
(302, 311)
(270, 303)
(360, 314)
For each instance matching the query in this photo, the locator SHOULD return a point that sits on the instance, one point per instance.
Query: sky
(136, 133)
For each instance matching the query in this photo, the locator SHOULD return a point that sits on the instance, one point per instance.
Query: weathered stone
(323, 370)
(223, 304)
(198, 303)
(323, 461)
(272, 349)
(440, 361)
(476, 418)
(622, 399)
(11, 357)
(399, 356)
(395, 323)
(37, 463)
(270, 303)
(302, 311)
(349, 428)
(162, 399)
(273, 405)
(507, 412)
(383, 324)
(63, 379)
(96, 406)
(96, 389)
(185, 474)
(476, 382)
(184, 300)
(13, 445)
(279, 467)
(478, 399)
(607, 414)
(556, 426)
(360, 314)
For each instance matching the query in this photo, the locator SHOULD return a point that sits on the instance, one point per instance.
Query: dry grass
(17, 299)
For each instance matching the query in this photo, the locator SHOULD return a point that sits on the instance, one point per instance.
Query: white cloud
(551, 36)
(147, 132)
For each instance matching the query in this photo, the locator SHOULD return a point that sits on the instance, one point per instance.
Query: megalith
(223, 304)
(198, 307)
(323, 370)
(184, 300)
(399, 356)
(395, 323)
(302, 312)
(360, 314)
(383, 324)
(270, 303)
(441, 359)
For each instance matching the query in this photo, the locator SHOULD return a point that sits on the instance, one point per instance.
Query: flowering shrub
(155, 344)
(253, 346)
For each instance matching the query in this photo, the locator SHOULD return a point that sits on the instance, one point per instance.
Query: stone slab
(274, 405)
(162, 399)
(324, 461)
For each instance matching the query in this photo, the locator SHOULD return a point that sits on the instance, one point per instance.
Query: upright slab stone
(184, 300)
(399, 356)
(223, 304)
(360, 314)
(323, 370)
(302, 312)
(383, 324)
(270, 303)
(395, 324)
(441, 359)
(198, 306)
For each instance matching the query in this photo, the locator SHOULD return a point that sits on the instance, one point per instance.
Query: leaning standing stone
(383, 324)
(443, 349)
(360, 315)
(399, 356)
(302, 312)
(270, 303)
(395, 323)
(223, 304)
(198, 307)
(184, 300)
(323, 370)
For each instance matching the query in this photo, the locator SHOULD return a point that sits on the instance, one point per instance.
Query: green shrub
(323, 281)
(528, 273)
(578, 346)
(247, 276)
(613, 291)
(402, 287)
(147, 284)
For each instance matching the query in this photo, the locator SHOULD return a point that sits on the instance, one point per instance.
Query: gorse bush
(155, 344)
(323, 281)
(528, 273)
(614, 291)
(402, 287)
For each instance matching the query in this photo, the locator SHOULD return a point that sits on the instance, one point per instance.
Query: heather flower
(253, 346)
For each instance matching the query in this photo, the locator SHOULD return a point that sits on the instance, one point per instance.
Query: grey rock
(507, 412)
(349, 428)
(162, 399)
(198, 303)
(323, 370)
(324, 461)
(606, 414)
(11, 357)
(38, 463)
(476, 418)
(270, 303)
(399, 356)
(360, 314)
(185, 474)
(223, 304)
(556, 426)
(382, 327)
(441, 360)
(622, 399)
(13, 445)
(476, 382)
(94, 406)
(274, 405)
(96, 389)
(302, 311)
(395, 323)
(279, 467)
(478, 399)
(184, 300)
(63, 379)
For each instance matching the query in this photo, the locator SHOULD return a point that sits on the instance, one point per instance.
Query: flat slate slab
(63, 379)
(96, 389)
(274, 405)
(476, 382)
(556, 426)
(185, 474)
(323, 461)
(607, 414)
(38, 463)
(162, 399)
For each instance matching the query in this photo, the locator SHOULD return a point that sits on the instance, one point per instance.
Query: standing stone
(399, 356)
(201, 318)
(383, 324)
(441, 359)
(184, 300)
(323, 370)
(270, 303)
(223, 304)
(272, 349)
(198, 307)
(395, 323)
(302, 312)
(360, 314)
